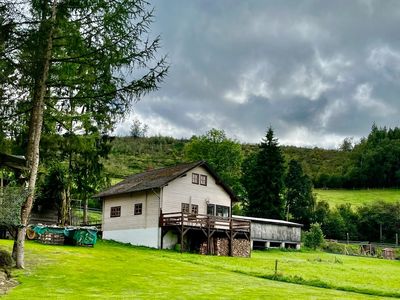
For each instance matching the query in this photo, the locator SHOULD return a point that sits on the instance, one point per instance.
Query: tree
(77, 63)
(263, 180)
(138, 129)
(314, 238)
(224, 155)
(347, 144)
(299, 198)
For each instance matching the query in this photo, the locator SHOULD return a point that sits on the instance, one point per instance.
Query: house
(271, 233)
(186, 205)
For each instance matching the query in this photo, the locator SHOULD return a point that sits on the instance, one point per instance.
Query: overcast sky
(316, 71)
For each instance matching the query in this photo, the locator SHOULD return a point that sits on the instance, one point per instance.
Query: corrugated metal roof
(269, 221)
(158, 178)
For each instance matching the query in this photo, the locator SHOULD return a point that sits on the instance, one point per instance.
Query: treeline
(372, 163)
(377, 222)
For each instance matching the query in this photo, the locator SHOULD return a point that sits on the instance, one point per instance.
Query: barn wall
(273, 232)
(182, 190)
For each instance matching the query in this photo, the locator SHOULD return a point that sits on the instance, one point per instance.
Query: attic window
(195, 178)
(203, 179)
(115, 212)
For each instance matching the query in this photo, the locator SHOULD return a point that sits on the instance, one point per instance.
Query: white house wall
(141, 237)
(130, 228)
(182, 190)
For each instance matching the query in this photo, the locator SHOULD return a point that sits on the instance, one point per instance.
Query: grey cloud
(296, 65)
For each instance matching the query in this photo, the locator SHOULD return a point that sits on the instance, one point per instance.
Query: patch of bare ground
(6, 284)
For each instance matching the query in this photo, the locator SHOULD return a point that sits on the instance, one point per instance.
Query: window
(203, 180)
(195, 209)
(115, 211)
(185, 208)
(211, 209)
(222, 211)
(195, 178)
(138, 209)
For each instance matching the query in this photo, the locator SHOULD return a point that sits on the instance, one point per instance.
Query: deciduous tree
(223, 154)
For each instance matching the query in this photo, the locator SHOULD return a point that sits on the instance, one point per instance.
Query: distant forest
(374, 162)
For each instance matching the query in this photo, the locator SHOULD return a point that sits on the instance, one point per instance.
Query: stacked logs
(52, 238)
(241, 247)
(220, 247)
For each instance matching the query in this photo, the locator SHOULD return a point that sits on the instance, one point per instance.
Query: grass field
(357, 197)
(114, 271)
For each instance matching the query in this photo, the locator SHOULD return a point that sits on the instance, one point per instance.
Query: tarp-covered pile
(79, 235)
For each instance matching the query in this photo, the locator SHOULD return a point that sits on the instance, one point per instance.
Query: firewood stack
(221, 247)
(241, 247)
(51, 238)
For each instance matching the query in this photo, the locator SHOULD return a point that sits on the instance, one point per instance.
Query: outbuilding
(271, 233)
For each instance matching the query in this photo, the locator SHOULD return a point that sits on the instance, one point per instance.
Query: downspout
(159, 215)
(159, 196)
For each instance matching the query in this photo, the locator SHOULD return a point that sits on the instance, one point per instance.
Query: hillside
(132, 155)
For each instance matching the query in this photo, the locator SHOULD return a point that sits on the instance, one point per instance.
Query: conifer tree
(263, 180)
(78, 63)
(298, 195)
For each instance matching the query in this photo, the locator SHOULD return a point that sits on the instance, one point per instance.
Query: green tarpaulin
(80, 235)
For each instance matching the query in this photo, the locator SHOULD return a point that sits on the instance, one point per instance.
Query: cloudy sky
(316, 71)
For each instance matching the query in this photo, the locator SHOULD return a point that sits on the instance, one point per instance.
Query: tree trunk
(85, 211)
(35, 131)
(64, 209)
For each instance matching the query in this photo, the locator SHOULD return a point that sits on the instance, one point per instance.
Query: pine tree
(263, 180)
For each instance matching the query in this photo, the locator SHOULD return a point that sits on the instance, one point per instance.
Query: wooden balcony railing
(204, 221)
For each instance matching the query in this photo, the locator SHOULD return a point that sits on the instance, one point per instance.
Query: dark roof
(15, 162)
(269, 221)
(158, 178)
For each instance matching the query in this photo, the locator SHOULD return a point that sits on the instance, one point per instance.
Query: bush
(314, 238)
(6, 262)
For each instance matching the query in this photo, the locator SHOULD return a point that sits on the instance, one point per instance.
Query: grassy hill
(132, 155)
(357, 197)
(114, 271)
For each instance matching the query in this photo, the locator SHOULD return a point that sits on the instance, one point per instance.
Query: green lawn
(357, 197)
(114, 271)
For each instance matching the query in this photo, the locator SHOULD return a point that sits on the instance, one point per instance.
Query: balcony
(204, 222)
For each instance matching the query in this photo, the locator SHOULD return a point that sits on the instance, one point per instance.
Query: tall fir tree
(263, 180)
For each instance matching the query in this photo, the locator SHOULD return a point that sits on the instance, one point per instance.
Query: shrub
(314, 238)
(6, 262)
